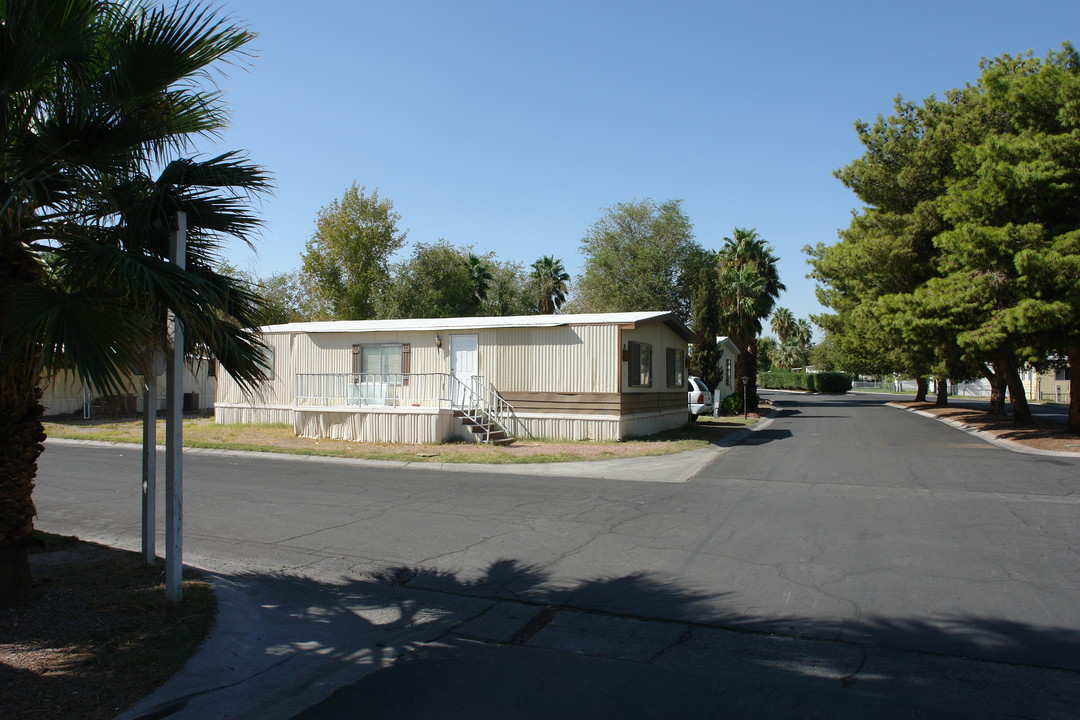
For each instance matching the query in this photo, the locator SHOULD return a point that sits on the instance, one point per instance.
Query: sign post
(174, 433)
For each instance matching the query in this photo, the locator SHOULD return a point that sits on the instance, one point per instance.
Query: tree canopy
(637, 257)
(101, 103)
(347, 260)
(749, 284)
(964, 259)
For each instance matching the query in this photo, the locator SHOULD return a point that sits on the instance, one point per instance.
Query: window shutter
(406, 362)
(356, 360)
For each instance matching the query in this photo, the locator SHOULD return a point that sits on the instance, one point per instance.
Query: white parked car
(698, 398)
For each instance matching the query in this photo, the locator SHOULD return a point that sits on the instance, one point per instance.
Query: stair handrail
(482, 403)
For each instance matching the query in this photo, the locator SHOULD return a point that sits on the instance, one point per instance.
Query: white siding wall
(660, 337)
(393, 425)
(574, 359)
(596, 427)
(63, 395)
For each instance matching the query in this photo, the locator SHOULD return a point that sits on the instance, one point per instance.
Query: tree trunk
(21, 435)
(922, 387)
(942, 392)
(1021, 411)
(1073, 354)
(998, 386)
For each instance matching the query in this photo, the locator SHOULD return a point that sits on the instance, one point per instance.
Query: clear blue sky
(510, 126)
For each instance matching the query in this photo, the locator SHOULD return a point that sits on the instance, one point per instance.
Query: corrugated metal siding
(598, 428)
(567, 428)
(660, 337)
(575, 359)
(63, 394)
(639, 426)
(376, 425)
(249, 415)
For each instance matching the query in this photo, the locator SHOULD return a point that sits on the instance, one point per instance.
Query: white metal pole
(174, 472)
(149, 465)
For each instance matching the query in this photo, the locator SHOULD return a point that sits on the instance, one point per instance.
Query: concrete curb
(988, 437)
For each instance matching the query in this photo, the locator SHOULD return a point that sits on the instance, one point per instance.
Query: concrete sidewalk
(290, 648)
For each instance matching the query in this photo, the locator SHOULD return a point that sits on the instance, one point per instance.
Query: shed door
(464, 362)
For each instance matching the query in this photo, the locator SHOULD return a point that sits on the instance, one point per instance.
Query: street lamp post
(745, 380)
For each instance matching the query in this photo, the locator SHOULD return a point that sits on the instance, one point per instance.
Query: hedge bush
(827, 382)
(833, 382)
(732, 404)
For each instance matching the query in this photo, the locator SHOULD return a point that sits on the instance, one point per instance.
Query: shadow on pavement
(760, 437)
(510, 642)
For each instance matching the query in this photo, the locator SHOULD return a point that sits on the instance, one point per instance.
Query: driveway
(847, 560)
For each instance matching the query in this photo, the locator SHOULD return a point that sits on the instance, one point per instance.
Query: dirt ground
(1037, 436)
(96, 635)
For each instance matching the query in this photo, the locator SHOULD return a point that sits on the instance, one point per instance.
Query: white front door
(464, 364)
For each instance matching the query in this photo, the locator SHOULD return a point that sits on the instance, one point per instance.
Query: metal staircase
(481, 410)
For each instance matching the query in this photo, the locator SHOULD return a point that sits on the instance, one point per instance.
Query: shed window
(1062, 374)
(640, 370)
(676, 367)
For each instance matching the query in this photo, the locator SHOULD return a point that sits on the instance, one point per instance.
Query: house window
(640, 370)
(1061, 374)
(676, 367)
(377, 359)
(268, 361)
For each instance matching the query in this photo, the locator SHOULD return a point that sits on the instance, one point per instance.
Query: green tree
(347, 261)
(436, 281)
(767, 348)
(552, 282)
(480, 277)
(1013, 250)
(705, 318)
(783, 324)
(93, 96)
(286, 296)
(970, 200)
(749, 284)
(510, 291)
(636, 257)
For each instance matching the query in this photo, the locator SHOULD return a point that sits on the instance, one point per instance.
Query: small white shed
(728, 352)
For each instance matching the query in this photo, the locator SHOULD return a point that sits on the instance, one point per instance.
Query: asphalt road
(847, 560)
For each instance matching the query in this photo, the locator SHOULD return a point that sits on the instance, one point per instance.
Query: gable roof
(632, 319)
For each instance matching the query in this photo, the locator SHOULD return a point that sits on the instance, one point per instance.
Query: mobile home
(608, 376)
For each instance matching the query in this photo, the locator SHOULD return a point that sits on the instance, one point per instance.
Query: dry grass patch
(97, 634)
(205, 433)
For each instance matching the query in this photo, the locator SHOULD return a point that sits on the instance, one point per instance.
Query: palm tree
(783, 323)
(481, 277)
(94, 96)
(749, 284)
(552, 279)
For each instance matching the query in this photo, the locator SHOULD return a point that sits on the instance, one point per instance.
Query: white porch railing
(373, 389)
(473, 397)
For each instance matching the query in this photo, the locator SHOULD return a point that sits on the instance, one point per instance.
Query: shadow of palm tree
(511, 642)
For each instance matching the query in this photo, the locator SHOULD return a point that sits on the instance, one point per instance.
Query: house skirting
(240, 414)
(434, 425)
(595, 427)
